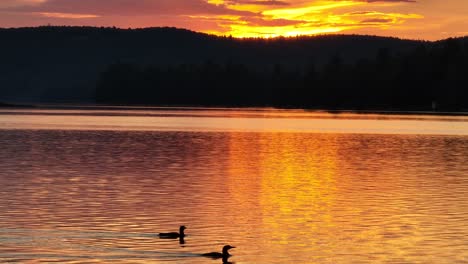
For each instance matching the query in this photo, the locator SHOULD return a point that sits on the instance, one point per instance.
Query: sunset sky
(416, 19)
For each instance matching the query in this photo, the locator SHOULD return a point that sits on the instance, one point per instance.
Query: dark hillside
(169, 66)
(48, 64)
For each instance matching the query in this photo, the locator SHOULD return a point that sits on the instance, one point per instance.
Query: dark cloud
(377, 21)
(258, 21)
(360, 13)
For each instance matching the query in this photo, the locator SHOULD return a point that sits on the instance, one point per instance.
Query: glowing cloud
(68, 15)
(430, 19)
(291, 18)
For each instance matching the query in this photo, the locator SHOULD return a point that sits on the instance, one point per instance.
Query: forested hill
(63, 63)
(68, 64)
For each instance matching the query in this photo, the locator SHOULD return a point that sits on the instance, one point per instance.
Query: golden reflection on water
(101, 196)
(332, 196)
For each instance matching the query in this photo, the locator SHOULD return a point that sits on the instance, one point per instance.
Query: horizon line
(230, 36)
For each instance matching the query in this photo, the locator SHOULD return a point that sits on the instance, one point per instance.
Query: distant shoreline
(226, 108)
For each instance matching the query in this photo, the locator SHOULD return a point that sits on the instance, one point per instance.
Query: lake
(88, 185)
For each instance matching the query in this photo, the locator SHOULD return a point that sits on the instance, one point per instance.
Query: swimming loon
(223, 255)
(174, 234)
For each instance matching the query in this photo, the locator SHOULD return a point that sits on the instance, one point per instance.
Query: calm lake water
(97, 185)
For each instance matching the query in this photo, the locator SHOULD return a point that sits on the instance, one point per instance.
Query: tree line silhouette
(431, 76)
(169, 66)
(62, 64)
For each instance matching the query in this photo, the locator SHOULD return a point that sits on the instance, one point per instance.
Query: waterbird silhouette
(216, 255)
(174, 235)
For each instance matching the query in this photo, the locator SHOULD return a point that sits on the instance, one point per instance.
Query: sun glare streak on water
(81, 195)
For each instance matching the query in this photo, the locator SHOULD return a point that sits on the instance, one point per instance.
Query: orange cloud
(68, 15)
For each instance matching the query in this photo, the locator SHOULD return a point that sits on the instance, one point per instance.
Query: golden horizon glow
(310, 18)
(429, 19)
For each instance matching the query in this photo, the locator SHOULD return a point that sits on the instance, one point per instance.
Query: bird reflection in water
(175, 235)
(226, 260)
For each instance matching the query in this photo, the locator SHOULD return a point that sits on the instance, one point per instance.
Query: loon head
(226, 248)
(181, 231)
